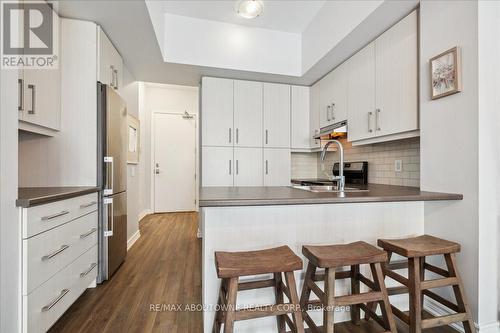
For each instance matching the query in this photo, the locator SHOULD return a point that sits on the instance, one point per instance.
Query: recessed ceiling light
(250, 9)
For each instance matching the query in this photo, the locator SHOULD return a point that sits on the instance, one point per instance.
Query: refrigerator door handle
(108, 190)
(109, 202)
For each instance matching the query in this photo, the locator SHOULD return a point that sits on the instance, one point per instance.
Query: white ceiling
(281, 15)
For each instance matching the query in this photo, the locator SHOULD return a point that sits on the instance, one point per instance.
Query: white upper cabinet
(300, 110)
(361, 94)
(277, 167)
(217, 166)
(109, 61)
(247, 114)
(338, 106)
(217, 112)
(325, 99)
(314, 116)
(276, 132)
(396, 78)
(248, 167)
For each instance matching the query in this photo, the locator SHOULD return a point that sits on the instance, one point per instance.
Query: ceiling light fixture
(250, 9)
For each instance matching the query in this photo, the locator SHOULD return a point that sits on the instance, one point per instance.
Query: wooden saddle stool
(416, 250)
(331, 257)
(278, 261)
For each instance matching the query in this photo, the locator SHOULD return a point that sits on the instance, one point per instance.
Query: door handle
(229, 134)
(20, 107)
(88, 270)
(53, 216)
(267, 137)
(333, 111)
(92, 203)
(328, 113)
(55, 301)
(377, 120)
(230, 166)
(109, 187)
(55, 253)
(369, 122)
(33, 98)
(109, 203)
(116, 78)
(88, 233)
(112, 84)
(267, 167)
(237, 168)
(237, 136)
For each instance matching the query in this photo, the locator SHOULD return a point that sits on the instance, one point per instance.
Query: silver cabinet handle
(116, 78)
(369, 122)
(55, 301)
(328, 113)
(230, 166)
(33, 98)
(112, 84)
(53, 216)
(237, 167)
(20, 107)
(109, 203)
(377, 119)
(237, 135)
(333, 111)
(109, 184)
(88, 233)
(55, 253)
(267, 167)
(229, 134)
(267, 137)
(83, 274)
(92, 203)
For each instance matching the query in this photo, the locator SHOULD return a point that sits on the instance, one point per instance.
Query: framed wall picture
(133, 140)
(446, 73)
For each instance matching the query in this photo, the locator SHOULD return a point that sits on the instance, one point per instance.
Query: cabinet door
(326, 99)
(117, 64)
(338, 111)
(277, 167)
(247, 114)
(300, 118)
(396, 78)
(104, 58)
(217, 112)
(217, 166)
(314, 116)
(276, 115)
(361, 94)
(247, 166)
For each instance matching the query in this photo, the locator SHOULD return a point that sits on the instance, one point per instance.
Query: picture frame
(133, 134)
(445, 73)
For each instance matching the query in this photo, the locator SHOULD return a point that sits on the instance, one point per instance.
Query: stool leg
(306, 294)
(459, 292)
(415, 295)
(218, 313)
(378, 278)
(294, 299)
(279, 300)
(422, 279)
(329, 305)
(373, 305)
(355, 290)
(231, 305)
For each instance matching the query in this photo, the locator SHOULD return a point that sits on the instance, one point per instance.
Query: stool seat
(275, 260)
(421, 246)
(338, 255)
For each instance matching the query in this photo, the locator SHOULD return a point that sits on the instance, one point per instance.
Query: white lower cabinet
(277, 167)
(59, 261)
(248, 167)
(217, 166)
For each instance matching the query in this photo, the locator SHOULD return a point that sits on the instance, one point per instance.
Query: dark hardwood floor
(163, 267)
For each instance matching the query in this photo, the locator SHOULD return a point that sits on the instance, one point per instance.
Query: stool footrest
(338, 276)
(400, 314)
(395, 276)
(397, 290)
(372, 296)
(442, 300)
(256, 284)
(438, 283)
(444, 320)
(436, 270)
(266, 311)
(372, 314)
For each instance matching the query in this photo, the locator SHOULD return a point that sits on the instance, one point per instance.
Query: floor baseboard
(143, 214)
(131, 241)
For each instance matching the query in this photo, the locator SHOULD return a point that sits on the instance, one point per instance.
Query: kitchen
(319, 127)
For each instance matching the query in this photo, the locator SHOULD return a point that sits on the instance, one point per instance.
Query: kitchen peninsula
(252, 218)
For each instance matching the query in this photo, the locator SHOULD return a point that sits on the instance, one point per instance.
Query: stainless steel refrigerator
(112, 180)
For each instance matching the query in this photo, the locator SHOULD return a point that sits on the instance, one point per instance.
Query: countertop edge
(31, 202)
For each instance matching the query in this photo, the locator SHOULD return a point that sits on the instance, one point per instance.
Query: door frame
(152, 155)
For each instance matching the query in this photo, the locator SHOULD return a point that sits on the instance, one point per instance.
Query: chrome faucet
(340, 178)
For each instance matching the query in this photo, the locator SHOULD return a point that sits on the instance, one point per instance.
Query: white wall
(166, 98)
(459, 146)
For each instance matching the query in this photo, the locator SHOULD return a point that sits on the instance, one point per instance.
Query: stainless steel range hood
(332, 130)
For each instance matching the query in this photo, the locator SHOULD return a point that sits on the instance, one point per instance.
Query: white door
(217, 112)
(276, 115)
(361, 94)
(300, 118)
(174, 163)
(247, 166)
(338, 111)
(277, 167)
(396, 78)
(314, 116)
(247, 114)
(217, 167)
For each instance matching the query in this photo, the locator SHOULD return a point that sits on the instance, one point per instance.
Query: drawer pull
(53, 216)
(55, 301)
(92, 203)
(88, 270)
(88, 233)
(56, 252)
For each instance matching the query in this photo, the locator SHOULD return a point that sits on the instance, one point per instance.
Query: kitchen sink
(326, 188)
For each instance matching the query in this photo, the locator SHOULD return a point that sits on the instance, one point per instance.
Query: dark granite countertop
(33, 196)
(262, 196)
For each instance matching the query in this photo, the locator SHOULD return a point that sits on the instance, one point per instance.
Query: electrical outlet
(398, 165)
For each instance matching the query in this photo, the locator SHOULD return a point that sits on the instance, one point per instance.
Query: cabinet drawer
(47, 303)
(46, 254)
(38, 219)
